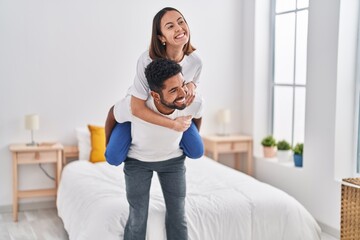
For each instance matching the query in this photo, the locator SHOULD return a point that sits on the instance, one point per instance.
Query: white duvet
(222, 204)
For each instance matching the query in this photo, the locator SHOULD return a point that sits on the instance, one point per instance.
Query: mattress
(221, 204)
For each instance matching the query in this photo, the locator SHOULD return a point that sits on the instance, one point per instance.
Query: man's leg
(119, 144)
(191, 142)
(138, 181)
(173, 184)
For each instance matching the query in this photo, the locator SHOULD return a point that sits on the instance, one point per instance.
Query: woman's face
(174, 29)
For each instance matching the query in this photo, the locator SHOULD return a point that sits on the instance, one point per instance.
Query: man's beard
(172, 105)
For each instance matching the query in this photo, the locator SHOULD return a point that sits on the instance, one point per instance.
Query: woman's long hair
(157, 49)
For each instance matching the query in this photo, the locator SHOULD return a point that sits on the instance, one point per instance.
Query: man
(156, 148)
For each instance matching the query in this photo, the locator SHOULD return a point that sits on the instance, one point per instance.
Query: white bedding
(222, 204)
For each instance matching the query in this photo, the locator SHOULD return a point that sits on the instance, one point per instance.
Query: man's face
(174, 92)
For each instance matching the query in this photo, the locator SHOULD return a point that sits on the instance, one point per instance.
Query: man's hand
(191, 91)
(181, 124)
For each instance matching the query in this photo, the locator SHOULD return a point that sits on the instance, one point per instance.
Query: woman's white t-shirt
(191, 69)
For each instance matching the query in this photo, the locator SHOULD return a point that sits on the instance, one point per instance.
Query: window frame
(293, 85)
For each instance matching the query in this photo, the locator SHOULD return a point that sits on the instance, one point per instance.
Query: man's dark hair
(158, 71)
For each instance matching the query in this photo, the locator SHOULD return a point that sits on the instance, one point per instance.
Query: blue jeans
(171, 174)
(120, 141)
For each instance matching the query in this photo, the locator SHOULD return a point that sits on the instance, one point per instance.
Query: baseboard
(329, 230)
(29, 206)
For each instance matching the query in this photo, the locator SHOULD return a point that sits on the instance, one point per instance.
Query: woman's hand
(181, 124)
(191, 91)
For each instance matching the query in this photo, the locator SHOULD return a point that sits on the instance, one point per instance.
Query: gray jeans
(171, 174)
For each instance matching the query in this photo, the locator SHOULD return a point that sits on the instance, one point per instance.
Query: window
(290, 19)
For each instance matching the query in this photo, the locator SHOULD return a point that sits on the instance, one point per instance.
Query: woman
(170, 39)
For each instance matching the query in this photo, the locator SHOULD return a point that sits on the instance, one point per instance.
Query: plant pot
(298, 160)
(269, 152)
(284, 155)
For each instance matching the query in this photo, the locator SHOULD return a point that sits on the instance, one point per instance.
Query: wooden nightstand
(22, 154)
(70, 152)
(235, 144)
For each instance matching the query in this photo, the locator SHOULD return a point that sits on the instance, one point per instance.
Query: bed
(221, 204)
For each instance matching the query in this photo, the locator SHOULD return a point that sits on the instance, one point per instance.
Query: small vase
(284, 155)
(269, 152)
(298, 160)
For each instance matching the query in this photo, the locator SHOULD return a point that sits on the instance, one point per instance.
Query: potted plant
(298, 154)
(283, 151)
(269, 146)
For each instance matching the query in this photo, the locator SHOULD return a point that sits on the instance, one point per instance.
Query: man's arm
(109, 124)
(197, 122)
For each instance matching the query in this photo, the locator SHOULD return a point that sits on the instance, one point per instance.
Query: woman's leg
(191, 142)
(119, 144)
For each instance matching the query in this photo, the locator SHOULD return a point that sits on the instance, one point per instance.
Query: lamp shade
(32, 122)
(224, 116)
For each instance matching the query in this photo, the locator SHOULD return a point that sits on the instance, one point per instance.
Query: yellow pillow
(97, 137)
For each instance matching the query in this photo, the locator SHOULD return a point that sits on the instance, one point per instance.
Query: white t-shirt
(191, 69)
(150, 142)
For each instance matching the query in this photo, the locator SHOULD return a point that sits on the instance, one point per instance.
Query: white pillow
(84, 145)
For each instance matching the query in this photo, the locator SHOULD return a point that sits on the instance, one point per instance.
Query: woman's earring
(163, 43)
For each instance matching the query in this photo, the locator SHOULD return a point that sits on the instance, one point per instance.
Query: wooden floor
(36, 224)
(42, 225)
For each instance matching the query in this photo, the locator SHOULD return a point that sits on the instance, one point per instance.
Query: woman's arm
(197, 122)
(140, 110)
(191, 91)
(109, 124)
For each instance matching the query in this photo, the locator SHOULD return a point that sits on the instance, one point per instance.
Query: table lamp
(32, 123)
(224, 118)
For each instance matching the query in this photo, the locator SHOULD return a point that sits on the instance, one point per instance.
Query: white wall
(69, 61)
(329, 124)
(346, 126)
